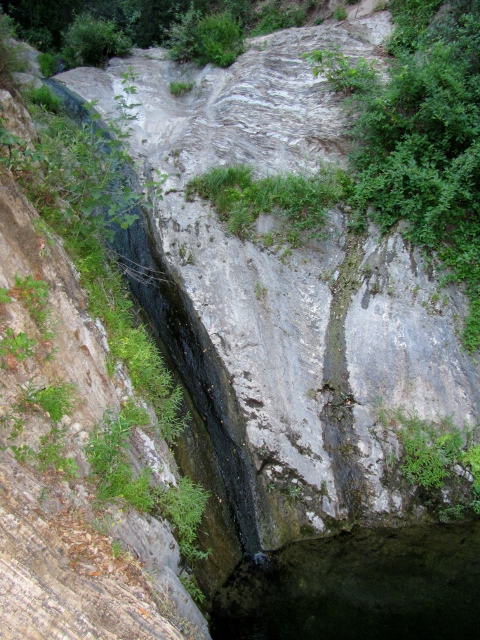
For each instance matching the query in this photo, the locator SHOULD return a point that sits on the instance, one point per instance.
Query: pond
(413, 582)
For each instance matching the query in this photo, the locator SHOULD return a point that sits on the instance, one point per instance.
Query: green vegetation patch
(301, 201)
(107, 454)
(47, 64)
(51, 453)
(19, 346)
(340, 13)
(33, 294)
(428, 455)
(11, 58)
(184, 506)
(44, 97)
(341, 73)
(411, 18)
(215, 38)
(56, 399)
(272, 17)
(431, 449)
(181, 88)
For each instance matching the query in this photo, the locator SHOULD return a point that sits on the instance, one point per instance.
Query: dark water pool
(415, 582)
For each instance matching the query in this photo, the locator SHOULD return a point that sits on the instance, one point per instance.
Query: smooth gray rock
(269, 111)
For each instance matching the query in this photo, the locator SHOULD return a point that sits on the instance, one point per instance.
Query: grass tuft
(44, 97)
(181, 88)
(272, 18)
(300, 200)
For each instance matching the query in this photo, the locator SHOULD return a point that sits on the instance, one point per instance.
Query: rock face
(341, 322)
(58, 576)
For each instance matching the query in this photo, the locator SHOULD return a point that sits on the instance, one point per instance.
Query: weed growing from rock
(51, 453)
(47, 64)
(107, 454)
(56, 400)
(184, 507)
(44, 97)
(260, 291)
(340, 13)
(15, 348)
(190, 584)
(432, 451)
(181, 88)
(272, 17)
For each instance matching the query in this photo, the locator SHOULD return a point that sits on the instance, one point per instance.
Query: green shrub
(107, 454)
(10, 53)
(360, 77)
(90, 41)
(273, 18)
(181, 88)
(184, 507)
(135, 414)
(56, 399)
(220, 40)
(424, 463)
(212, 38)
(430, 449)
(238, 9)
(183, 37)
(34, 295)
(340, 13)
(4, 296)
(471, 458)
(44, 97)
(18, 346)
(47, 64)
(39, 37)
(190, 584)
(411, 18)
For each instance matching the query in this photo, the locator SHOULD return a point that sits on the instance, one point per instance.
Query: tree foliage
(92, 41)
